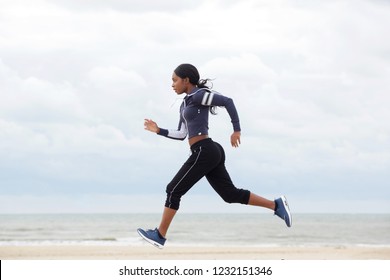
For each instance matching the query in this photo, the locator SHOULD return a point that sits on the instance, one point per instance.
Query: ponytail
(202, 83)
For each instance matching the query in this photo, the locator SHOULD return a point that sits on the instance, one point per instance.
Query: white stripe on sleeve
(207, 98)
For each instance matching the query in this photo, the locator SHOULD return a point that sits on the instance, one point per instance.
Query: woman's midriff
(197, 138)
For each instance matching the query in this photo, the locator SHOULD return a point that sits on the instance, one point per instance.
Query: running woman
(207, 156)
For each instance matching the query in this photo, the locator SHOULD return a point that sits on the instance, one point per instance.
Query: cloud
(32, 99)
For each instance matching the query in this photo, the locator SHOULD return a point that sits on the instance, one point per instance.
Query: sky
(310, 80)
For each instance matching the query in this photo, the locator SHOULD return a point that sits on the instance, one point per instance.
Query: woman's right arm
(151, 126)
(177, 134)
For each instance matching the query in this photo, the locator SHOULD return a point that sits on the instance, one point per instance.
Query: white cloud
(32, 99)
(108, 78)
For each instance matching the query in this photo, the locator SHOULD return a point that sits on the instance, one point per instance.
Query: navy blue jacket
(194, 114)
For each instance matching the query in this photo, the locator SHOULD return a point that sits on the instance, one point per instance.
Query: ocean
(197, 229)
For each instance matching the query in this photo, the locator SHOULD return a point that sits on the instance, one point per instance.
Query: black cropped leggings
(207, 159)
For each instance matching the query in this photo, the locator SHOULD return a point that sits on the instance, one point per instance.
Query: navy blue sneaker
(282, 210)
(153, 237)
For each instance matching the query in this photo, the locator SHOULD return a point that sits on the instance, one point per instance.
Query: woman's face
(179, 85)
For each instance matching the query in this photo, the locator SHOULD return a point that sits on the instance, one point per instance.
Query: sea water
(197, 229)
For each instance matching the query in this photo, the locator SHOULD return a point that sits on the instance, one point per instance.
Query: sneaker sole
(287, 208)
(154, 243)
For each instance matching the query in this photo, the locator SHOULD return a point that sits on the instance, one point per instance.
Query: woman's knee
(237, 196)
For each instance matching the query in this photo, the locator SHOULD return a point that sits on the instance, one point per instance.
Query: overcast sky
(310, 79)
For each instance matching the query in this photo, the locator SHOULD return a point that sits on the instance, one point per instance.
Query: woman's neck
(190, 88)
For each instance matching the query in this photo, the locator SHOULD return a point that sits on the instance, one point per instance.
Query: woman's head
(185, 77)
(188, 71)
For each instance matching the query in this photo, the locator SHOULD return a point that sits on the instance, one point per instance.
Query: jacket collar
(194, 91)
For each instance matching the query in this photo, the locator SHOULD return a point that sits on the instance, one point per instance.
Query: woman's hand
(235, 139)
(151, 126)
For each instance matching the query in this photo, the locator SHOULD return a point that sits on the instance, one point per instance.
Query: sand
(148, 252)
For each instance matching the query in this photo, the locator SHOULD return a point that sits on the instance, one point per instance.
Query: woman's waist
(198, 140)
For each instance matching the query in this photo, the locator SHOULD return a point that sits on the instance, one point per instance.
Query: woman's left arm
(211, 98)
(235, 139)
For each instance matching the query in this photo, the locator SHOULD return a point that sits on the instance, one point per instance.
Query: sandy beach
(147, 252)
